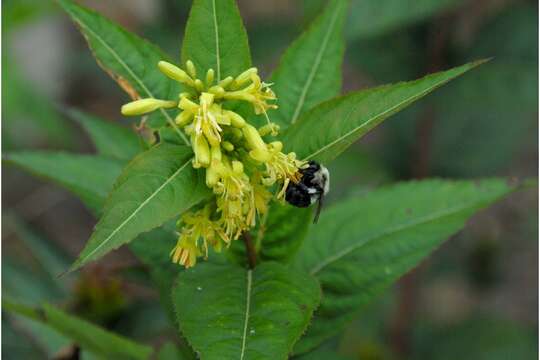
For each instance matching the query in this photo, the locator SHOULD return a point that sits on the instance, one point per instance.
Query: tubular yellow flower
(198, 231)
(240, 167)
(185, 253)
(175, 73)
(143, 106)
(201, 150)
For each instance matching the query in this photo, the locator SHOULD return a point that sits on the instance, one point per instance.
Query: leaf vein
(391, 231)
(142, 205)
(218, 65)
(129, 70)
(366, 123)
(314, 68)
(246, 320)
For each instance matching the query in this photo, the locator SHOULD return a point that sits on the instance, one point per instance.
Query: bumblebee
(312, 187)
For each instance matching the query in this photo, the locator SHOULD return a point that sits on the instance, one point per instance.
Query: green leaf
(227, 312)
(282, 232)
(52, 260)
(130, 60)
(26, 126)
(153, 249)
(374, 17)
(90, 177)
(479, 338)
(110, 139)
(310, 70)
(322, 354)
(154, 187)
(364, 244)
(85, 334)
(215, 38)
(336, 124)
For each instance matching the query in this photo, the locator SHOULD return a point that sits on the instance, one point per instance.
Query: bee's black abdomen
(313, 185)
(297, 195)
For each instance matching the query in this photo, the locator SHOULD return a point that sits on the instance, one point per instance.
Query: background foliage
(483, 282)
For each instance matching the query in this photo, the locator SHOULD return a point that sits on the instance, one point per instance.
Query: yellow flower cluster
(241, 168)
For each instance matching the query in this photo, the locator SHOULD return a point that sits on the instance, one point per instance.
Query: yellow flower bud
(237, 134)
(199, 85)
(143, 106)
(175, 73)
(227, 146)
(245, 76)
(209, 77)
(183, 118)
(253, 138)
(191, 69)
(226, 82)
(236, 120)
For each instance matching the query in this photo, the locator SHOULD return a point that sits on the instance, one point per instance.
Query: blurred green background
(475, 298)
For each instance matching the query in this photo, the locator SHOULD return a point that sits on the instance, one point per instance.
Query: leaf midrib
(134, 213)
(315, 66)
(392, 231)
(128, 69)
(216, 33)
(375, 117)
(246, 318)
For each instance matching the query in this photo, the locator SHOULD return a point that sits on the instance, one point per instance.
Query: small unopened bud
(191, 69)
(237, 134)
(175, 73)
(269, 128)
(143, 106)
(209, 77)
(253, 138)
(244, 77)
(227, 146)
(226, 82)
(236, 120)
(183, 118)
(199, 86)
